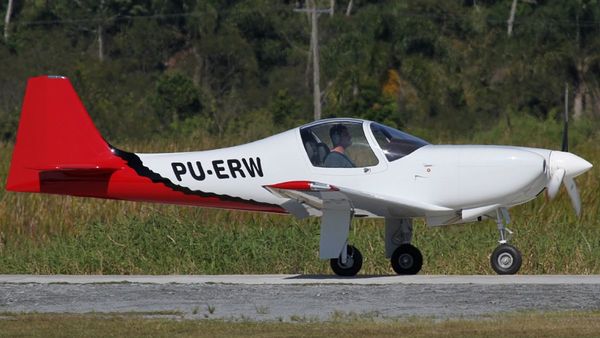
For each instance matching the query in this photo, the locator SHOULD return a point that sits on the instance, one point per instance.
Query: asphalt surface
(298, 297)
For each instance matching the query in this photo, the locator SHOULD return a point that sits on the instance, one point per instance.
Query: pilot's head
(340, 136)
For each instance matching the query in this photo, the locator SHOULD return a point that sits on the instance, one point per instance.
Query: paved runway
(303, 279)
(299, 297)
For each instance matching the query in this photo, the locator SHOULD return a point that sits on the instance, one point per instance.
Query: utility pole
(314, 43)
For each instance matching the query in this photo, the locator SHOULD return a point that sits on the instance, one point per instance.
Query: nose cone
(572, 164)
(492, 174)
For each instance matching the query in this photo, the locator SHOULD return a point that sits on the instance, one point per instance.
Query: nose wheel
(506, 260)
(348, 266)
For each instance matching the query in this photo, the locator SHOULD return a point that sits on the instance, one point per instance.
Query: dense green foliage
(448, 66)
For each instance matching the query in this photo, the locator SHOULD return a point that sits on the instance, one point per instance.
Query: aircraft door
(340, 148)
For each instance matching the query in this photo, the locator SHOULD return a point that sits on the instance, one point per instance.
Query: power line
(444, 17)
(96, 20)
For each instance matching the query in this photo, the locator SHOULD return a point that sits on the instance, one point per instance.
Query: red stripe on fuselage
(128, 185)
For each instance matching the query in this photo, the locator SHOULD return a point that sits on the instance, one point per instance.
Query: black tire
(352, 266)
(407, 260)
(506, 260)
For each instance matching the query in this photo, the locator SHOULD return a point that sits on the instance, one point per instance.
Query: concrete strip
(303, 279)
(217, 297)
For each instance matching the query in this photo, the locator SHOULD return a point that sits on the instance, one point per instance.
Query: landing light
(304, 185)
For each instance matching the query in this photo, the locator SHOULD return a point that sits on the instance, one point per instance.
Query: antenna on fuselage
(565, 138)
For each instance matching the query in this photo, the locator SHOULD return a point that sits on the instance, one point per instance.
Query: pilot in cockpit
(341, 139)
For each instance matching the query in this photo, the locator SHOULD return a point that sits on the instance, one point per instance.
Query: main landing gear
(405, 258)
(506, 259)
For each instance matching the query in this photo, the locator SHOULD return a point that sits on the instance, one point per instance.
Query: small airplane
(336, 169)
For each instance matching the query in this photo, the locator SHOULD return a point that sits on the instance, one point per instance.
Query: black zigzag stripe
(134, 162)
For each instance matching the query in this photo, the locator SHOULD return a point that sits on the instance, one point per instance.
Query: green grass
(562, 324)
(45, 234)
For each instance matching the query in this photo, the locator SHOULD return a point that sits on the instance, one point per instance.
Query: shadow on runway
(335, 277)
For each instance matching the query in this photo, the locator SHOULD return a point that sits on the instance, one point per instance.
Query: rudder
(55, 135)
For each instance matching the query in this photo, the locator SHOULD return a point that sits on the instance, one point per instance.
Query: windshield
(394, 143)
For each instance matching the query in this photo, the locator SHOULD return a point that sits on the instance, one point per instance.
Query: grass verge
(562, 324)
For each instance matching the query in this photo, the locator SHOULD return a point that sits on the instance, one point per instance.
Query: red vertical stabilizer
(58, 149)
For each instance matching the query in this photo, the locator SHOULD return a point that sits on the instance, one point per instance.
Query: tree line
(155, 66)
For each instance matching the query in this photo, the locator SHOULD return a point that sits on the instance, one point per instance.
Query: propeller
(574, 194)
(554, 183)
(564, 166)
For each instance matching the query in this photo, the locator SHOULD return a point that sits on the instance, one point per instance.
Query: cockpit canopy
(342, 143)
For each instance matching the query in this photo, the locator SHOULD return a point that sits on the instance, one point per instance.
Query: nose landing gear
(506, 259)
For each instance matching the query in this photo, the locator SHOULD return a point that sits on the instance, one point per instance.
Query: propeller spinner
(563, 168)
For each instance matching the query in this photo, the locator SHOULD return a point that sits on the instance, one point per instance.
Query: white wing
(312, 196)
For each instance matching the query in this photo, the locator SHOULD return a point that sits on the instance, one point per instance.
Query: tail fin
(57, 141)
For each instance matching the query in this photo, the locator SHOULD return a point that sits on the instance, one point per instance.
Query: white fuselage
(455, 177)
